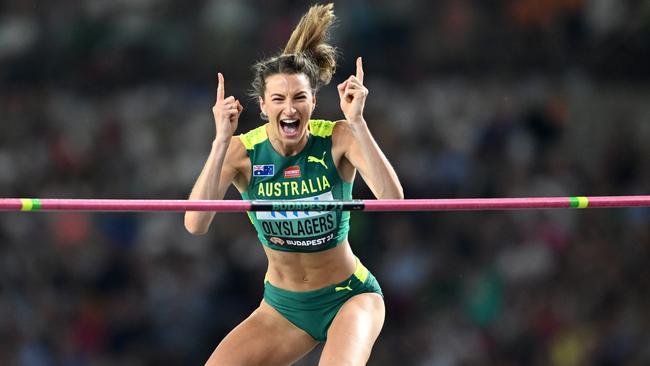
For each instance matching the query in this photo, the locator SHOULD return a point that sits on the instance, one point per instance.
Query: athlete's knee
(368, 302)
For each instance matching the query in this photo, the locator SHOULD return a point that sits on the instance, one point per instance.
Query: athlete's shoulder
(342, 130)
(253, 137)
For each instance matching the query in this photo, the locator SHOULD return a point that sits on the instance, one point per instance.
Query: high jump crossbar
(458, 204)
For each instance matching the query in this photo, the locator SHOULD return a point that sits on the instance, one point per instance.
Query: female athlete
(315, 289)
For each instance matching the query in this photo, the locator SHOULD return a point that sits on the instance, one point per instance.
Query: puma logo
(321, 161)
(345, 288)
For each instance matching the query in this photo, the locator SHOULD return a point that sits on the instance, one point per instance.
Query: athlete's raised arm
(361, 149)
(221, 168)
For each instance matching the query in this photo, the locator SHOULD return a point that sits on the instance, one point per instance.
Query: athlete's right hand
(226, 113)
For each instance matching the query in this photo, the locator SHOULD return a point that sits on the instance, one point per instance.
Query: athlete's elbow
(395, 193)
(196, 230)
(194, 227)
(399, 193)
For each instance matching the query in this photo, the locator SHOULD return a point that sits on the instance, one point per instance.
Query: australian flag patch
(267, 170)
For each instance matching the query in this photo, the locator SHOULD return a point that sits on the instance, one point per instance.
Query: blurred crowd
(498, 98)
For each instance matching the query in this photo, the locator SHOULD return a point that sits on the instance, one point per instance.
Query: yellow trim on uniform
(321, 127)
(361, 272)
(253, 137)
(28, 204)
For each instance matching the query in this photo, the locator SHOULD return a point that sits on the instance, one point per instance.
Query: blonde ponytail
(307, 51)
(310, 36)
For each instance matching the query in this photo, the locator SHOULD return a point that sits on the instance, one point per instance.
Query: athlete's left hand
(353, 95)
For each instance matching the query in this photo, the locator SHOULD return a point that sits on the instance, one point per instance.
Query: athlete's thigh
(354, 330)
(264, 338)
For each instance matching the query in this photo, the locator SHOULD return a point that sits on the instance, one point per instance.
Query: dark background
(495, 98)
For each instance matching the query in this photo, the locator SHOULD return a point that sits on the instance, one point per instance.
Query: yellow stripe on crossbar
(583, 202)
(28, 204)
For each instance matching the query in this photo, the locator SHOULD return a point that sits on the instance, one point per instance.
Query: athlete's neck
(285, 148)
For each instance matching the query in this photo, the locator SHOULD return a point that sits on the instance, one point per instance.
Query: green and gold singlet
(309, 175)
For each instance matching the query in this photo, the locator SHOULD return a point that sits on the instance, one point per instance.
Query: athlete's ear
(313, 102)
(262, 105)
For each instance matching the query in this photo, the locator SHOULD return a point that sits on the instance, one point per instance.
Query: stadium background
(498, 98)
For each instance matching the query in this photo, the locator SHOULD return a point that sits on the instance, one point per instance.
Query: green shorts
(313, 311)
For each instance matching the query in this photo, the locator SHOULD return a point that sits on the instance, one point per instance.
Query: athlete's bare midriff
(310, 271)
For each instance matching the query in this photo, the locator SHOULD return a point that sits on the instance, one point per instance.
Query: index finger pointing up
(359, 70)
(220, 85)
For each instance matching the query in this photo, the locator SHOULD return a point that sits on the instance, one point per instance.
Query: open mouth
(289, 127)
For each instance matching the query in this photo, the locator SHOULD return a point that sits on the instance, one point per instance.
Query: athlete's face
(288, 101)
